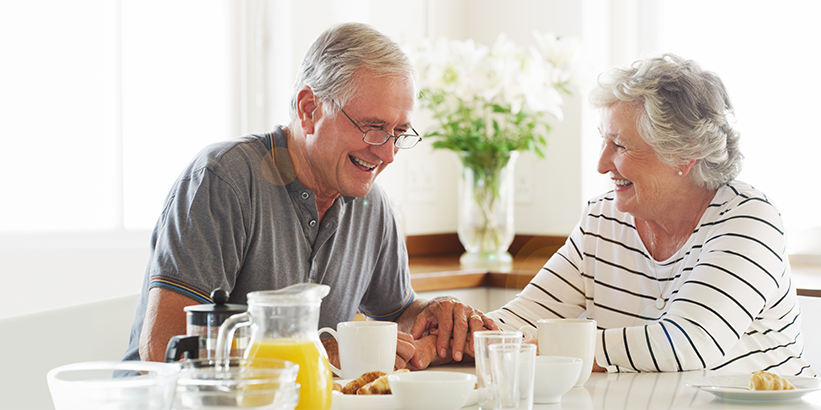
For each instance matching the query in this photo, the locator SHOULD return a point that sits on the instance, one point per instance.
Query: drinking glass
(513, 369)
(484, 378)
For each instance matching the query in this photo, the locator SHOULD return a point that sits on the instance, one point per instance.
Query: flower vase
(485, 226)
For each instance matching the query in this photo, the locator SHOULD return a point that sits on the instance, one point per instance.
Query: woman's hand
(405, 350)
(426, 354)
(533, 341)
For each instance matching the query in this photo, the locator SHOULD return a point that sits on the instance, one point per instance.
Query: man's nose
(386, 152)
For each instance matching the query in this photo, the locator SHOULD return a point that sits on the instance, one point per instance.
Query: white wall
(48, 271)
(58, 270)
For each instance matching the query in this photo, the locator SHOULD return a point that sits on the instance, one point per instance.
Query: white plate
(733, 387)
(341, 401)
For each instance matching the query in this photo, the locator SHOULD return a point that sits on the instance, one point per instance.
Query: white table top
(630, 391)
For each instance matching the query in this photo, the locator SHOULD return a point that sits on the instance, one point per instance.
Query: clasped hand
(444, 324)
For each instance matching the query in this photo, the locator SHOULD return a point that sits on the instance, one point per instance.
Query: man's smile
(367, 166)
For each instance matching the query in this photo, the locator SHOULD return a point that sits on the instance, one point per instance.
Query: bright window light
(104, 102)
(766, 55)
(58, 99)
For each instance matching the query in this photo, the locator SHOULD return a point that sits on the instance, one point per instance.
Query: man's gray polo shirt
(237, 219)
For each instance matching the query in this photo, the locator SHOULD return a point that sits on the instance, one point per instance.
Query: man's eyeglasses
(379, 137)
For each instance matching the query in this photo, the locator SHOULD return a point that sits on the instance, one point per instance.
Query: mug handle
(332, 332)
(528, 331)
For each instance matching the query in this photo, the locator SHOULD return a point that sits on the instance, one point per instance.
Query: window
(58, 96)
(104, 103)
(766, 55)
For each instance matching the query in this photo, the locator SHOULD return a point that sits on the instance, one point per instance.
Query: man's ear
(307, 110)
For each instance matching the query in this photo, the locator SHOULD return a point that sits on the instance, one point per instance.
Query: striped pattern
(395, 314)
(731, 303)
(180, 287)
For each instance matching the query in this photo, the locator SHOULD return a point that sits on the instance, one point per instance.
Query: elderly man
(299, 204)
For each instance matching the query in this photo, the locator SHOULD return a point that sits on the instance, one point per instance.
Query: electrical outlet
(523, 182)
(420, 183)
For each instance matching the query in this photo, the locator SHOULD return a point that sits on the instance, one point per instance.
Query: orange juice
(314, 376)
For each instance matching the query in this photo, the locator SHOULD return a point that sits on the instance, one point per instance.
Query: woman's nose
(605, 163)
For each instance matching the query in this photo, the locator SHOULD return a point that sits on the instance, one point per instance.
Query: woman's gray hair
(331, 65)
(685, 114)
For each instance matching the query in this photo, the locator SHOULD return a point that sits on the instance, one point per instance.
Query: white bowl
(555, 376)
(432, 390)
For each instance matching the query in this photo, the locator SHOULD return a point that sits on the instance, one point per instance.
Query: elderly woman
(682, 266)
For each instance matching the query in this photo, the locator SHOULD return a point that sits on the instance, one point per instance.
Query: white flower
(504, 92)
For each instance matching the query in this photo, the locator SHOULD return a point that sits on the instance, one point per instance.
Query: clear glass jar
(202, 324)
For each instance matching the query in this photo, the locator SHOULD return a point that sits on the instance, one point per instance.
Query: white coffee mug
(567, 337)
(364, 346)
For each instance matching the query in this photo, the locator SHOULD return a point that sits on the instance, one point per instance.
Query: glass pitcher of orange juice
(283, 325)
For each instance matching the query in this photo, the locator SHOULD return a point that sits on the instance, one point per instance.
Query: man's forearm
(164, 318)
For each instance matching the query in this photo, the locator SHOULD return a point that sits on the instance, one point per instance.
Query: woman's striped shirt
(730, 305)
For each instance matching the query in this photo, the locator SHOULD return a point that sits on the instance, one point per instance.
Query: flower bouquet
(489, 104)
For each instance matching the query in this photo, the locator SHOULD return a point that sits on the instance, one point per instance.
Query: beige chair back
(33, 344)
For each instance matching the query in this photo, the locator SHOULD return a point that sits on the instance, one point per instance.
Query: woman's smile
(622, 183)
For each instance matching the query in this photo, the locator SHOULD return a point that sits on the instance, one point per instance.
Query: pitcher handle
(226, 334)
(332, 332)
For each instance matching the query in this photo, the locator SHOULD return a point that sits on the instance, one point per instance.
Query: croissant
(356, 384)
(761, 380)
(379, 386)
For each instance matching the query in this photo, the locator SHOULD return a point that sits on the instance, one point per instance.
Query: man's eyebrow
(381, 122)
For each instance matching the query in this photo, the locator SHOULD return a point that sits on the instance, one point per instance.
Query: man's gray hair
(339, 54)
(685, 114)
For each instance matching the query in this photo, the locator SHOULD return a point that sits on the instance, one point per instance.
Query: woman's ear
(307, 110)
(684, 169)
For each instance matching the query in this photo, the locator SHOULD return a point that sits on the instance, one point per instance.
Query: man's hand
(331, 349)
(447, 317)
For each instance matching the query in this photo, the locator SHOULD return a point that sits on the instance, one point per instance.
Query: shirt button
(305, 195)
(312, 223)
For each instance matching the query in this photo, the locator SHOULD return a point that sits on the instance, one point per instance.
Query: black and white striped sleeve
(557, 290)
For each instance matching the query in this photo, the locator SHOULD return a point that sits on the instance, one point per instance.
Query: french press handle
(179, 347)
